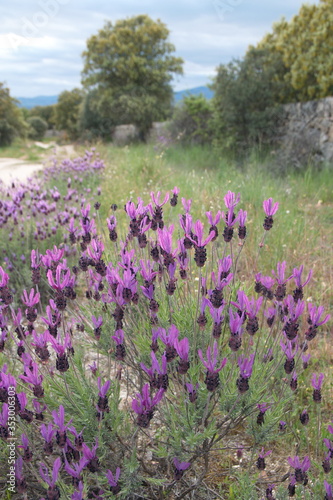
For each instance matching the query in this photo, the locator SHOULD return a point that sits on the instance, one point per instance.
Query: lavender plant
(153, 361)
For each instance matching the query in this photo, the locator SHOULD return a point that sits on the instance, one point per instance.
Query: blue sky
(41, 41)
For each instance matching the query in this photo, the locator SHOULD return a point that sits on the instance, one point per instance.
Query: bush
(246, 109)
(155, 366)
(7, 133)
(37, 129)
(12, 123)
(192, 121)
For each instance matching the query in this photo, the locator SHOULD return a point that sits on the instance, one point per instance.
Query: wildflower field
(165, 329)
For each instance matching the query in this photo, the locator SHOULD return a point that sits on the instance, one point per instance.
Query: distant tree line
(127, 74)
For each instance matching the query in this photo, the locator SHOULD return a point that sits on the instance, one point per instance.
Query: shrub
(37, 129)
(155, 366)
(246, 110)
(192, 121)
(12, 123)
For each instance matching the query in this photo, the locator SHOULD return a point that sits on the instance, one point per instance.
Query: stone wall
(306, 133)
(125, 134)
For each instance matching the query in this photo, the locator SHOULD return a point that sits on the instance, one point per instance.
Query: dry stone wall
(306, 133)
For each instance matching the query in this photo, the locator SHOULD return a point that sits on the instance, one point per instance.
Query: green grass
(24, 150)
(303, 225)
(301, 235)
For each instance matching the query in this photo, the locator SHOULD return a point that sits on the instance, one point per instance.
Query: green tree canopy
(245, 101)
(37, 127)
(130, 65)
(12, 123)
(305, 45)
(45, 112)
(67, 112)
(192, 120)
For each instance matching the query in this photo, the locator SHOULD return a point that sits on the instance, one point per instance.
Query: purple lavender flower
(263, 407)
(158, 374)
(174, 198)
(316, 384)
(314, 320)
(59, 421)
(192, 391)
(304, 417)
(169, 341)
(186, 205)
(217, 318)
(282, 425)
(4, 433)
(102, 404)
(213, 221)
(53, 490)
(290, 355)
(236, 330)
(200, 254)
(245, 372)
(165, 242)
(19, 478)
(4, 278)
(75, 471)
(27, 455)
(35, 379)
(30, 301)
(118, 337)
(62, 363)
(182, 347)
(242, 216)
(297, 275)
(90, 456)
(295, 310)
(61, 279)
(281, 280)
(261, 459)
(329, 491)
(305, 359)
(114, 480)
(97, 323)
(144, 405)
(180, 467)
(267, 284)
(270, 210)
(212, 378)
(300, 467)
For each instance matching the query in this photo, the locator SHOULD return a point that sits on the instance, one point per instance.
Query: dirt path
(15, 169)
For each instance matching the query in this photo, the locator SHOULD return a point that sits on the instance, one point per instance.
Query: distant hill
(205, 91)
(42, 100)
(47, 100)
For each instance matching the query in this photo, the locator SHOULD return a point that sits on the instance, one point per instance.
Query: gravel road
(14, 169)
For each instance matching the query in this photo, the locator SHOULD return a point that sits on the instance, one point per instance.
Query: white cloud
(32, 45)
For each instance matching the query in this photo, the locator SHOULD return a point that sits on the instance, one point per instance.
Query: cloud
(48, 36)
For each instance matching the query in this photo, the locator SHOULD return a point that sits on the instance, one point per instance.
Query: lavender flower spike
(180, 467)
(329, 491)
(212, 360)
(246, 365)
(43, 470)
(270, 209)
(113, 480)
(212, 378)
(316, 384)
(300, 468)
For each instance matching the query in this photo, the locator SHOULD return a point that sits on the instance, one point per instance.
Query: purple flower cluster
(131, 300)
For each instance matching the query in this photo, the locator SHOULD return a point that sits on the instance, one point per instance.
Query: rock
(305, 133)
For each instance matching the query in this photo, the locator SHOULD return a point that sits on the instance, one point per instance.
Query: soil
(17, 169)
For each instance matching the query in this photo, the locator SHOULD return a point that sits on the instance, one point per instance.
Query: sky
(41, 41)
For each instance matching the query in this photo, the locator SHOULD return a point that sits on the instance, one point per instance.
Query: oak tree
(130, 64)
